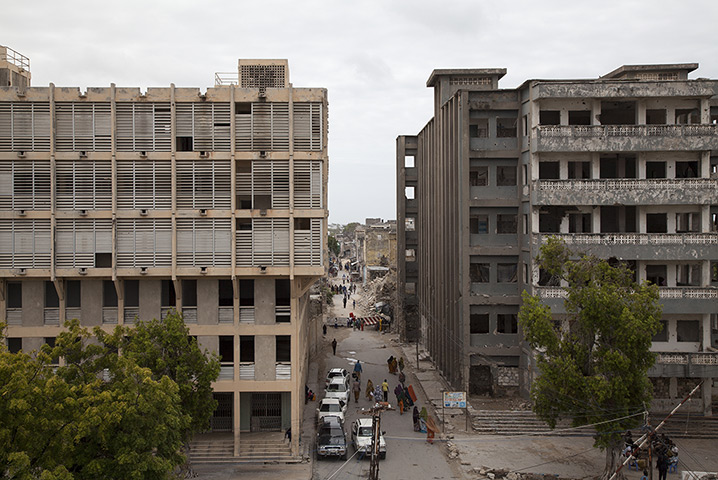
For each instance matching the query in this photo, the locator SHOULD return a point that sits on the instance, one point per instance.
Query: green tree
(593, 368)
(350, 227)
(333, 245)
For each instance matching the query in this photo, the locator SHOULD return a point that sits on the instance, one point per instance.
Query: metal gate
(222, 417)
(266, 412)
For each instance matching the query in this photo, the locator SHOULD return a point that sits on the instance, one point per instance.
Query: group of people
(664, 450)
(395, 365)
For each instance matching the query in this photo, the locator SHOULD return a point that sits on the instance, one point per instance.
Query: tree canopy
(333, 245)
(101, 415)
(593, 361)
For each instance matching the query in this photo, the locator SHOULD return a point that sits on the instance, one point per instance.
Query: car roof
(337, 380)
(364, 422)
(334, 422)
(337, 370)
(330, 400)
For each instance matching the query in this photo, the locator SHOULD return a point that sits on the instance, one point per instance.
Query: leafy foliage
(333, 245)
(593, 367)
(102, 415)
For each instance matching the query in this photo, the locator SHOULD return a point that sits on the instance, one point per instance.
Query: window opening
(618, 113)
(506, 273)
(656, 116)
(73, 293)
(226, 349)
(479, 323)
(168, 297)
(579, 170)
(579, 117)
(507, 323)
(657, 274)
(132, 293)
(51, 298)
(688, 331)
(479, 272)
(283, 348)
(14, 295)
(687, 170)
(506, 127)
(662, 335)
(506, 224)
(656, 223)
(550, 117)
(479, 176)
(225, 293)
(246, 348)
(409, 193)
(505, 176)
(109, 294)
(479, 224)
(189, 293)
(549, 171)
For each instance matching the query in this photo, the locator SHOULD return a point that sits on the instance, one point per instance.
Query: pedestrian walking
(390, 362)
(356, 388)
(324, 329)
(402, 378)
(401, 364)
(662, 465)
(394, 366)
(345, 302)
(334, 346)
(369, 389)
(415, 417)
(354, 304)
(385, 390)
(358, 369)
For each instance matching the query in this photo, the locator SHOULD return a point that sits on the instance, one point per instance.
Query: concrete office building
(624, 166)
(118, 204)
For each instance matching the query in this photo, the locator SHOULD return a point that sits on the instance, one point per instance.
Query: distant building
(624, 166)
(118, 205)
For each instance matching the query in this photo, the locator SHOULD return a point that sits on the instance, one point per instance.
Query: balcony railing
(226, 315)
(627, 130)
(283, 371)
(705, 293)
(693, 358)
(226, 371)
(637, 238)
(17, 59)
(246, 371)
(51, 316)
(246, 315)
(625, 184)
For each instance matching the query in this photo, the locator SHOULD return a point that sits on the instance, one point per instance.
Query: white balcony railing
(627, 130)
(637, 238)
(246, 371)
(283, 371)
(596, 185)
(663, 292)
(697, 358)
(246, 315)
(226, 371)
(226, 315)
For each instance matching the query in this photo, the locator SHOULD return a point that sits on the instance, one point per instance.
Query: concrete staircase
(253, 449)
(508, 422)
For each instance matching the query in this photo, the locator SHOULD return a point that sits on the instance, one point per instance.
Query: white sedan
(331, 407)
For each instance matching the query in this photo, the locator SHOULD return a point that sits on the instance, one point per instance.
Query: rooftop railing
(226, 78)
(11, 56)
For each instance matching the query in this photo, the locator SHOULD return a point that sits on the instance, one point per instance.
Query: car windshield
(330, 407)
(365, 432)
(336, 387)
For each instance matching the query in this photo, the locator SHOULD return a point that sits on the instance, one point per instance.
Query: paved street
(409, 456)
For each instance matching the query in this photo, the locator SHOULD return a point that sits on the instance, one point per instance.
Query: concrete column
(564, 224)
(670, 115)
(673, 387)
(641, 220)
(595, 165)
(706, 219)
(596, 220)
(596, 112)
(563, 168)
(706, 333)
(235, 415)
(640, 165)
(705, 170)
(563, 116)
(641, 112)
(705, 111)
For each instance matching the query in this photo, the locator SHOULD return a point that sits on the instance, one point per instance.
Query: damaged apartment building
(624, 166)
(119, 205)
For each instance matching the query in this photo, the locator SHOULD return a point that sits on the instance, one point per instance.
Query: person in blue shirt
(358, 369)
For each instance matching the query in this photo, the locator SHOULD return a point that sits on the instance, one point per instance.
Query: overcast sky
(374, 56)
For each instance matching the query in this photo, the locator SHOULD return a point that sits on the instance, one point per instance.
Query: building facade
(624, 166)
(118, 204)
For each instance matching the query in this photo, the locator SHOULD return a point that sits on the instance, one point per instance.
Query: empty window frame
(549, 171)
(282, 292)
(479, 272)
(506, 323)
(246, 348)
(687, 170)
(479, 323)
(479, 128)
(506, 272)
(688, 331)
(109, 294)
(132, 293)
(688, 275)
(506, 127)
(579, 223)
(410, 255)
(409, 161)
(549, 117)
(52, 300)
(579, 117)
(662, 335)
(14, 295)
(505, 176)
(302, 223)
(657, 274)
(283, 345)
(410, 224)
(657, 223)
(409, 193)
(189, 293)
(73, 293)
(246, 293)
(226, 349)
(168, 297)
(479, 176)
(479, 224)
(686, 116)
(14, 344)
(506, 224)
(618, 113)
(688, 222)
(656, 116)
(225, 293)
(655, 169)
(579, 170)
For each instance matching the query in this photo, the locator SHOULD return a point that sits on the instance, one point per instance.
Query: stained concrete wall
(91, 302)
(150, 292)
(207, 301)
(264, 357)
(264, 303)
(33, 302)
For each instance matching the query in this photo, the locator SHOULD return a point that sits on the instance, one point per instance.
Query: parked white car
(337, 388)
(362, 432)
(334, 373)
(331, 407)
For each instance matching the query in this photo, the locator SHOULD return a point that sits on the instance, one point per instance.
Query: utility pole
(376, 431)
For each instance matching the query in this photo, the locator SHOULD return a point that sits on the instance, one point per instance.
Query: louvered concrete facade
(623, 167)
(118, 204)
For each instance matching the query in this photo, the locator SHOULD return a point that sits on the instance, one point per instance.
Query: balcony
(675, 300)
(629, 191)
(624, 138)
(693, 365)
(676, 246)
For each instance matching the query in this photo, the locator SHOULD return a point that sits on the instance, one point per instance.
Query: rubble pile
(500, 474)
(382, 289)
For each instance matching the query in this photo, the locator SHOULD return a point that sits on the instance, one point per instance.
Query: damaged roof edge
(660, 67)
(440, 72)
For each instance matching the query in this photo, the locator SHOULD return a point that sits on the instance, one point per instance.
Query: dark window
(686, 116)
(479, 176)
(505, 176)
(506, 323)
(73, 293)
(283, 348)
(479, 323)
(686, 169)
(246, 293)
(226, 293)
(132, 293)
(549, 117)
(109, 294)
(184, 144)
(656, 116)
(302, 224)
(506, 224)
(479, 128)
(479, 272)
(479, 224)
(688, 331)
(244, 202)
(14, 295)
(226, 349)
(656, 274)
(656, 223)
(618, 113)
(244, 224)
(189, 293)
(262, 202)
(14, 344)
(579, 170)
(688, 222)
(548, 280)
(103, 260)
(246, 348)
(283, 291)
(168, 297)
(549, 222)
(51, 298)
(655, 169)
(549, 171)
(662, 336)
(506, 273)
(579, 117)
(506, 127)
(714, 271)
(243, 108)
(579, 223)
